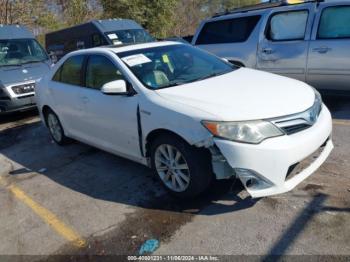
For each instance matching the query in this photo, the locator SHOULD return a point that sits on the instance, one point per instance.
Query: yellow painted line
(47, 216)
(341, 123)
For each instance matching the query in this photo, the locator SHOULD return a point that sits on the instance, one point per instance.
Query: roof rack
(266, 5)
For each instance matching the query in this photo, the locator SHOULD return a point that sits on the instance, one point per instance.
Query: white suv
(189, 115)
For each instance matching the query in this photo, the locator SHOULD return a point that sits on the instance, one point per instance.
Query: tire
(189, 182)
(55, 128)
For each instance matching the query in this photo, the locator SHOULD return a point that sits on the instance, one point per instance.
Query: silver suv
(23, 62)
(308, 41)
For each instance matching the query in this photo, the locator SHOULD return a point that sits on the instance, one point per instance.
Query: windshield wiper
(33, 61)
(172, 84)
(211, 75)
(27, 62)
(8, 65)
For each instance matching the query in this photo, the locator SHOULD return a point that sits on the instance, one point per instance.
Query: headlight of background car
(252, 132)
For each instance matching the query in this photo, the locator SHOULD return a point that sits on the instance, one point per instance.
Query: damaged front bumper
(269, 168)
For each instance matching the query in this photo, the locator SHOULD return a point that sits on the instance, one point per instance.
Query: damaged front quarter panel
(221, 168)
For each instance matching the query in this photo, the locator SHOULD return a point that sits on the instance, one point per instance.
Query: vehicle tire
(55, 128)
(184, 170)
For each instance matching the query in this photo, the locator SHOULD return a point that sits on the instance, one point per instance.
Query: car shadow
(18, 116)
(339, 106)
(104, 176)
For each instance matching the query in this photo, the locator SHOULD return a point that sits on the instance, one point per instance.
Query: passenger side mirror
(53, 57)
(117, 87)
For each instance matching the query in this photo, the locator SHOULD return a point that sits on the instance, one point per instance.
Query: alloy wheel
(172, 168)
(55, 127)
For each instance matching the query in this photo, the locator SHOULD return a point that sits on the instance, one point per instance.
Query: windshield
(20, 51)
(172, 65)
(129, 36)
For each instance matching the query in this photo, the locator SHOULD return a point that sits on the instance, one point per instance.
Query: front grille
(23, 88)
(289, 130)
(297, 168)
(298, 122)
(26, 96)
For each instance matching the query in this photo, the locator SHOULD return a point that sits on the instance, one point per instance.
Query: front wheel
(185, 171)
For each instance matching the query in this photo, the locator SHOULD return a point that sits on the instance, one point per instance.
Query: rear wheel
(55, 128)
(185, 171)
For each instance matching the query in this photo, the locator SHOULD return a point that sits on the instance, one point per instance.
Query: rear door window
(100, 70)
(227, 31)
(70, 71)
(288, 26)
(334, 23)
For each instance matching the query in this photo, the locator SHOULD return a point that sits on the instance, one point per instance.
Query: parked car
(95, 33)
(308, 42)
(22, 63)
(189, 115)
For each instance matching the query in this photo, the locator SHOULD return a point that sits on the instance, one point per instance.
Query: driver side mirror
(225, 60)
(117, 87)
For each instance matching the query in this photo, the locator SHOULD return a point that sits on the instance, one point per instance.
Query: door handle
(322, 50)
(267, 51)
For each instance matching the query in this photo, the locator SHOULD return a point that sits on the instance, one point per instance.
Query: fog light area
(251, 179)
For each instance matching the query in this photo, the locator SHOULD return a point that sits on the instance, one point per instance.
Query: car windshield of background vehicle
(16, 52)
(173, 65)
(130, 36)
(335, 23)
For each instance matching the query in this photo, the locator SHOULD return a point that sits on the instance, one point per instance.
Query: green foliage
(230, 4)
(155, 15)
(161, 17)
(214, 6)
(168, 17)
(76, 12)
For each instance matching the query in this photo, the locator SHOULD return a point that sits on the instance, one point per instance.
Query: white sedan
(189, 115)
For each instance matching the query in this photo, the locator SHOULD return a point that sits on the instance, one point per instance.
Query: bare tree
(6, 11)
(74, 12)
(189, 13)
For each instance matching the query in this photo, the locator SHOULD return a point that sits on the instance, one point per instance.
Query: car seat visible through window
(154, 77)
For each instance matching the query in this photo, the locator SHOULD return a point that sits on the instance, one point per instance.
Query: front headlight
(253, 132)
(318, 103)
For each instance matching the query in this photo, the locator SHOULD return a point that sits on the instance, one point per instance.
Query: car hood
(244, 94)
(17, 74)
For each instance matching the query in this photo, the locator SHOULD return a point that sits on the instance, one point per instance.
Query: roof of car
(104, 25)
(14, 32)
(124, 48)
(268, 5)
(108, 25)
